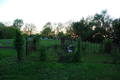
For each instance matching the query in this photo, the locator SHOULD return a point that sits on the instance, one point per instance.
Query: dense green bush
(77, 55)
(19, 43)
(42, 53)
(4, 31)
(98, 38)
(67, 57)
(108, 45)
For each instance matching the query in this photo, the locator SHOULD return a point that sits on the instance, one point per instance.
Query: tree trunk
(19, 56)
(26, 46)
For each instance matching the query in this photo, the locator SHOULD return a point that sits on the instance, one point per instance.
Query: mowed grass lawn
(92, 68)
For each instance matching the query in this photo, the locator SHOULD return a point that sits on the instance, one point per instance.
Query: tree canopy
(18, 23)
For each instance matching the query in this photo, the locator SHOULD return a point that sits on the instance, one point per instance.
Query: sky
(39, 12)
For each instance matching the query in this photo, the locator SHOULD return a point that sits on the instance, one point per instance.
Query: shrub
(98, 38)
(77, 55)
(19, 43)
(63, 56)
(42, 53)
(108, 45)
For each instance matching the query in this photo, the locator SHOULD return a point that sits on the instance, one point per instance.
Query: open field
(94, 65)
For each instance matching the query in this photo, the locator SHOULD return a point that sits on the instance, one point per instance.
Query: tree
(1, 30)
(48, 24)
(79, 28)
(29, 28)
(18, 23)
(60, 34)
(5, 30)
(46, 31)
(19, 43)
(116, 28)
(59, 28)
(2, 25)
(102, 20)
(69, 29)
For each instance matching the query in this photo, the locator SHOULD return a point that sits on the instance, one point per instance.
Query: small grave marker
(8, 42)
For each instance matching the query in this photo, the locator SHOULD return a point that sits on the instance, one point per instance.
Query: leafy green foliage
(79, 28)
(29, 28)
(77, 55)
(46, 32)
(4, 31)
(42, 53)
(18, 23)
(98, 38)
(116, 28)
(19, 43)
(61, 34)
(108, 45)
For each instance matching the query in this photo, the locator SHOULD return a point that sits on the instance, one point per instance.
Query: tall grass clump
(42, 53)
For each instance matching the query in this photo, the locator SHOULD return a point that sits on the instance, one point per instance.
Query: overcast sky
(39, 12)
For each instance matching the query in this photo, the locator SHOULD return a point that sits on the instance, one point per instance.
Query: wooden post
(78, 45)
(71, 40)
(26, 46)
(62, 42)
(119, 48)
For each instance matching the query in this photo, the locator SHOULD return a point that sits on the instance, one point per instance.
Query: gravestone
(70, 50)
(8, 42)
(29, 38)
(41, 38)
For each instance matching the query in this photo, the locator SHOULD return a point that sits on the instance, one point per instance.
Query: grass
(50, 42)
(5, 42)
(30, 68)
(60, 71)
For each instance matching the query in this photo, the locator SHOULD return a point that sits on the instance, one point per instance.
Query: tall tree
(18, 43)
(29, 28)
(102, 20)
(79, 27)
(61, 34)
(48, 24)
(18, 23)
(116, 28)
(46, 31)
(69, 28)
(59, 28)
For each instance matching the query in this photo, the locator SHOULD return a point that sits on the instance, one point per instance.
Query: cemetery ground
(95, 65)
